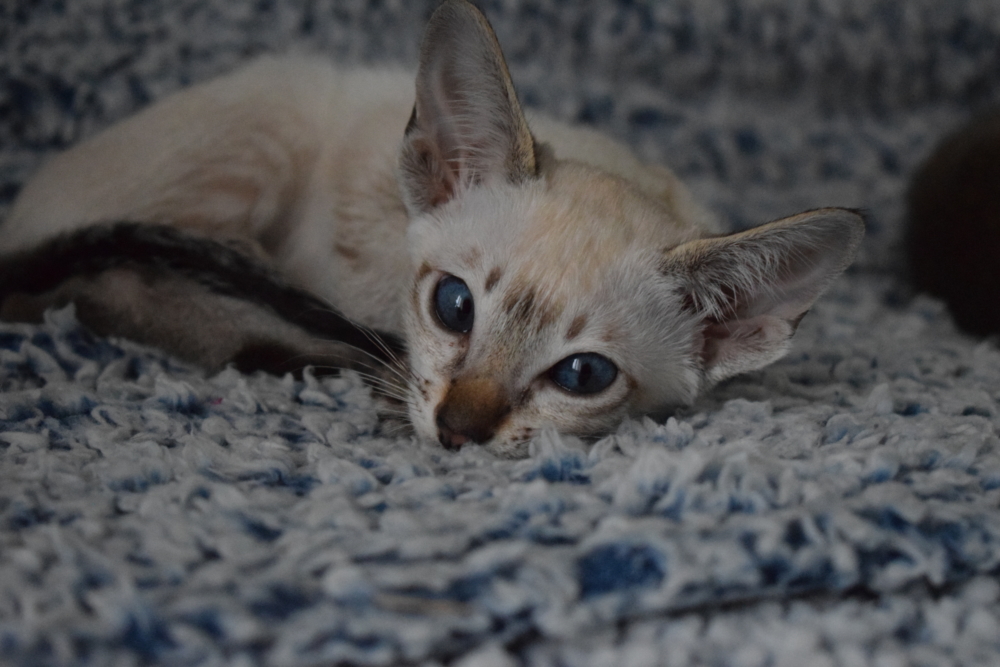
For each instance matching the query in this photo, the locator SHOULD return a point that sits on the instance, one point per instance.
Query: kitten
(540, 275)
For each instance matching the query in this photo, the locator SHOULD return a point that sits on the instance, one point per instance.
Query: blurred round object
(954, 234)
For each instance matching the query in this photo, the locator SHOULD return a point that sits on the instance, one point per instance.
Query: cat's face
(544, 305)
(550, 294)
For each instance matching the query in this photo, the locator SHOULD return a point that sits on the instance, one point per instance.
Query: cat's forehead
(565, 261)
(562, 233)
(580, 225)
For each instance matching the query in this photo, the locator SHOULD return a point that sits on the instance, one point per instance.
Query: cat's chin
(504, 445)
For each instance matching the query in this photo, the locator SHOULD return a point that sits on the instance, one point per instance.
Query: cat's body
(540, 278)
(296, 155)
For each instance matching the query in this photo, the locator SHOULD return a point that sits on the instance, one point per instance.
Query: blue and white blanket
(837, 508)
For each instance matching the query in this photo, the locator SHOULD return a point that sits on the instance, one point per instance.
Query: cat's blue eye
(584, 373)
(453, 304)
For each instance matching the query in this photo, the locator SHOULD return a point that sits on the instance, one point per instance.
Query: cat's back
(238, 147)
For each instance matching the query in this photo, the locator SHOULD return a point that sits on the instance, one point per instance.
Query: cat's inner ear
(750, 289)
(467, 125)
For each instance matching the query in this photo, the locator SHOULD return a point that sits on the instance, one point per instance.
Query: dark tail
(161, 250)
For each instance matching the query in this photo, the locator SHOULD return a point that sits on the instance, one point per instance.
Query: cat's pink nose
(449, 439)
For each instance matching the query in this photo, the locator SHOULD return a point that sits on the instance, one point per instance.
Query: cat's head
(551, 294)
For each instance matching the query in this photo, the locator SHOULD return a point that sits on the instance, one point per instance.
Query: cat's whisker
(389, 392)
(394, 386)
(386, 386)
(377, 340)
(388, 389)
(394, 429)
(392, 362)
(374, 364)
(389, 411)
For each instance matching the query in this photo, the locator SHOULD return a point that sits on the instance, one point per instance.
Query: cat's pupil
(453, 304)
(463, 306)
(584, 373)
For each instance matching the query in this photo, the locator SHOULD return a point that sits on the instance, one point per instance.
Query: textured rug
(837, 508)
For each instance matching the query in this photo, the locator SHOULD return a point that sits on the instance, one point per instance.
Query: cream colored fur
(566, 241)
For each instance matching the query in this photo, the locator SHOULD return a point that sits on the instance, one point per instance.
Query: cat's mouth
(395, 421)
(453, 441)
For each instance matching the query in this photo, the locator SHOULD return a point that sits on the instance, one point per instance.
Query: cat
(538, 275)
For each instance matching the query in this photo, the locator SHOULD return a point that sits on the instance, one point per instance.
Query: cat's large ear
(467, 125)
(751, 289)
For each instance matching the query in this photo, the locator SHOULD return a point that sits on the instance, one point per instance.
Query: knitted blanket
(837, 508)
